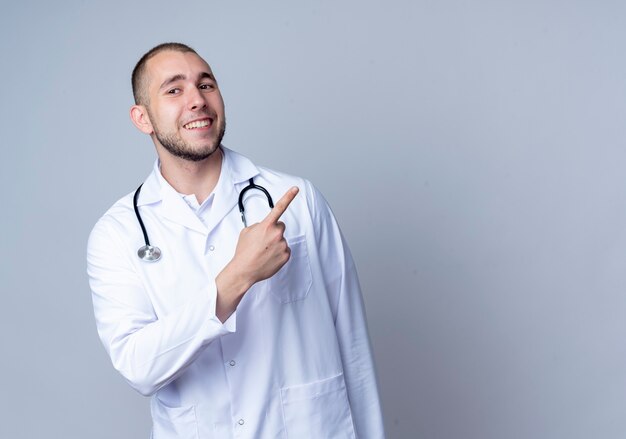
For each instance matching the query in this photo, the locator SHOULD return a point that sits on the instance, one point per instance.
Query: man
(247, 332)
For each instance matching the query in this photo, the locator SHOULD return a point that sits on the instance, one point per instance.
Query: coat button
(241, 422)
(232, 362)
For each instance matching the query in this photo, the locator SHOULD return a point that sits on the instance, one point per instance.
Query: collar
(236, 170)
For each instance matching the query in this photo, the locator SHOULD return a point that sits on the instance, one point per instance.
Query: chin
(206, 152)
(210, 150)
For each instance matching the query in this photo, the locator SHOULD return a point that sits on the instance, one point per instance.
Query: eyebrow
(181, 77)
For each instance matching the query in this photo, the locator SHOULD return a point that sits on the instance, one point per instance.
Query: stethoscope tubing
(149, 253)
(143, 227)
(252, 185)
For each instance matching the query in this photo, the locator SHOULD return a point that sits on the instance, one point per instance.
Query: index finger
(281, 205)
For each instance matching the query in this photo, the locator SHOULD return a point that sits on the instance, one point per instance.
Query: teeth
(197, 124)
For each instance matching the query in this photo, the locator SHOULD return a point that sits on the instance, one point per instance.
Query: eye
(207, 86)
(173, 91)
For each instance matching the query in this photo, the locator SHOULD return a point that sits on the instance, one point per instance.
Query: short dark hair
(139, 72)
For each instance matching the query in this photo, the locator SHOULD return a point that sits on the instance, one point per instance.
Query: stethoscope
(152, 253)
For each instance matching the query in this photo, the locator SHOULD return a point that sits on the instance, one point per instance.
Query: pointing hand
(261, 251)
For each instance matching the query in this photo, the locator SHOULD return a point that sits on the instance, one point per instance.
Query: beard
(176, 146)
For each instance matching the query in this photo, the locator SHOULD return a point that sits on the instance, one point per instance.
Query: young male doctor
(236, 332)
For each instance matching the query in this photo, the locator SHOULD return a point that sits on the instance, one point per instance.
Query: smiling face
(184, 112)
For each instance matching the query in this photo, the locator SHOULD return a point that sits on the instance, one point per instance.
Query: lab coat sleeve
(342, 285)
(148, 351)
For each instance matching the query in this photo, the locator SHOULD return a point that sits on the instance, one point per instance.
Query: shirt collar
(236, 169)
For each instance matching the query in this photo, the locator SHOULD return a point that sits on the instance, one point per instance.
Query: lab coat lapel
(225, 200)
(236, 170)
(174, 208)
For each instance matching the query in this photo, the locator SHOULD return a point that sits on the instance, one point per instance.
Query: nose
(196, 100)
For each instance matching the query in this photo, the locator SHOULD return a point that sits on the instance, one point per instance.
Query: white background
(473, 152)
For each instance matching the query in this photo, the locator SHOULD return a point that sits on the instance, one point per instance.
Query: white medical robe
(293, 361)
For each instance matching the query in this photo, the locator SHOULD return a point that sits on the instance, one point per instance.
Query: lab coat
(293, 361)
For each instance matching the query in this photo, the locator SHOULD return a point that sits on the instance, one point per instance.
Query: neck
(187, 177)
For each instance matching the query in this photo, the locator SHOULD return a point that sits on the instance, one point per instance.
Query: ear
(139, 116)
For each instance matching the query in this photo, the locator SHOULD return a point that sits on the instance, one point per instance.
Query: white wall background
(473, 151)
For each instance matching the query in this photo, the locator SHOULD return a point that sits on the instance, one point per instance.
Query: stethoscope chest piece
(149, 253)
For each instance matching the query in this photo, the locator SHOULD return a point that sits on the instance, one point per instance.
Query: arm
(148, 351)
(342, 284)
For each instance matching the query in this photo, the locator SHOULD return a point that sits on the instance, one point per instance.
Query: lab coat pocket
(293, 281)
(173, 422)
(318, 410)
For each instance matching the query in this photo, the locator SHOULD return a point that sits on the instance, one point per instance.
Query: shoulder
(115, 223)
(281, 182)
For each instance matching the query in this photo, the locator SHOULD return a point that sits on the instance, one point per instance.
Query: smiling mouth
(197, 124)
